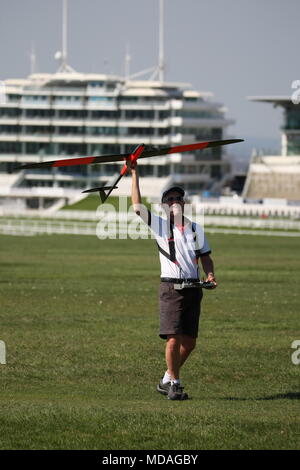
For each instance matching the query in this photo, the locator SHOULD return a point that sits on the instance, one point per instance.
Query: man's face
(175, 203)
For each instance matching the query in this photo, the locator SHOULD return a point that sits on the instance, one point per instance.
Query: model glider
(141, 151)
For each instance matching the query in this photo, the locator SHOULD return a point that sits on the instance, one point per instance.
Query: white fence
(243, 222)
(128, 217)
(130, 229)
(35, 227)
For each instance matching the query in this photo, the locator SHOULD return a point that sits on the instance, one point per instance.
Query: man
(181, 243)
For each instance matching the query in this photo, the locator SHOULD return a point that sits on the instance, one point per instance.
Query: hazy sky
(233, 48)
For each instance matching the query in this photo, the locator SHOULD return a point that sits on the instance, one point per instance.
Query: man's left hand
(211, 278)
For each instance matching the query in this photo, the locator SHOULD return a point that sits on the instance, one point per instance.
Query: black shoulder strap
(171, 242)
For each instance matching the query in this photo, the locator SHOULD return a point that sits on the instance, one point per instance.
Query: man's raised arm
(136, 198)
(135, 187)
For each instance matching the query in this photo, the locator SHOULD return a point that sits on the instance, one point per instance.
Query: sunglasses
(174, 199)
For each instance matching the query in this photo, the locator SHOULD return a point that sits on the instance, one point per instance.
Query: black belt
(177, 281)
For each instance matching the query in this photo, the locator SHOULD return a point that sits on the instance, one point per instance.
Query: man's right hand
(131, 165)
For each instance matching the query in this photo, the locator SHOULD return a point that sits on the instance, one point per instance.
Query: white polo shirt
(186, 241)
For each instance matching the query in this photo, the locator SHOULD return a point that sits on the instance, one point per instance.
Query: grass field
(79, 318)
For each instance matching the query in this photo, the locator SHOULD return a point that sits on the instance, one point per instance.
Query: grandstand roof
(276, 100)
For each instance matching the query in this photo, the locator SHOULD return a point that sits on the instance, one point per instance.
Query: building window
(97, 84)
(39, 113)
(110, 169)
(194, 114)
(72, 114)
(164, 114)
(10, 112)
(139, 114)
(293, 148)
(41, 148)
(72, 149)
(71, 130)
(100, 99)
(215, 171)
(163, 170)
(137, 131)
(146, 170)
(104, 114)
(164, 131)
(5, 129)
(102, 130)
(13, 98)
(292, 119)
(129, 99)
(38, 130)
(66, 99)
(105, 149)
(35, 98)
(10, 147)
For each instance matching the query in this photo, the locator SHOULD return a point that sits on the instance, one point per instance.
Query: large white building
(47, 116)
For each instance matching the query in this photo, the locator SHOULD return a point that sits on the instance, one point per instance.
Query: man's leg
(178, 349)
(173, 358)
(187, 345)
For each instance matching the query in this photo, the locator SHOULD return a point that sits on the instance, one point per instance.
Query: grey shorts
(179, 310)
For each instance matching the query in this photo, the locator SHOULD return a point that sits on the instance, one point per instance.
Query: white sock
(176, 381)
(166, 378)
